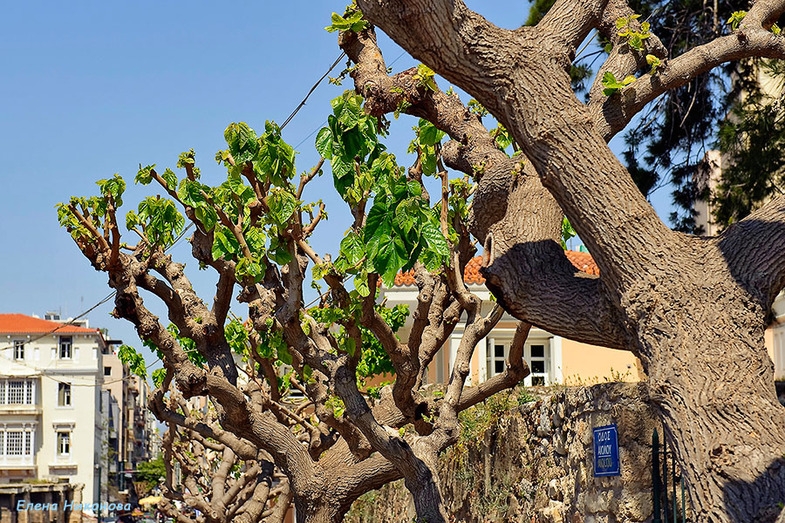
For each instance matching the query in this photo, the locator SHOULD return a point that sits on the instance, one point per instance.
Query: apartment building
(130, 426)
(52, 417)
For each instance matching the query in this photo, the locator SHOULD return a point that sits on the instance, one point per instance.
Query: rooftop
(22, 324)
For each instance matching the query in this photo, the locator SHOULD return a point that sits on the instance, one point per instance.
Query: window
(537, 356)
(16, 442)
(63, 443)
(19, 350)
(107, 371)
(65, 347)
(17, 392)
(64, 394)
(538, 365)
(496, 361)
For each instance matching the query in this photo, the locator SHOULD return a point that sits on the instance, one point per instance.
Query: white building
(51, 419)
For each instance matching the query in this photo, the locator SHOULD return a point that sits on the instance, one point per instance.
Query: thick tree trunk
(693, 310)
(714, 388)
(319, 508)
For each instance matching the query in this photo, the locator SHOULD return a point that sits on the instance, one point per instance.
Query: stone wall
(530, 459)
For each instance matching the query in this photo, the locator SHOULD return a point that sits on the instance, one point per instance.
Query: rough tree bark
(692, 309)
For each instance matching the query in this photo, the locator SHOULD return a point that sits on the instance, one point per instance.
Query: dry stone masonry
(528, 457)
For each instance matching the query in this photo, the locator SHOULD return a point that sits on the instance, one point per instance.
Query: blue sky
(93, 88)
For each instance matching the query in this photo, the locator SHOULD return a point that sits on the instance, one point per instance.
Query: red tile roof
(581, 260)
(21, 324)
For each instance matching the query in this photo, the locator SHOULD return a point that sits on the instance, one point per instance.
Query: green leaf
(284, 355)
(236, 336)
(170, 178)
(735, 19)
(225, 245)
(163, 222)
(352, 248)
(282, 205)
(636, 42)
(425, 77)
(192, 193)
(377, 224)
(428, 133)
(159, 375)
(390, 257)
(352, 113)
(131, 220)
(324, 143)
(255, 238)
(207, 215)
(113, 187)
(612, 85)
(436, 243)
(135, 361)
(247, 268)
(350, 346)
(275, 158)
(186, 158)
(352, 20)
(241, 140)
(361, 284)
(145, 174)
(567, 232)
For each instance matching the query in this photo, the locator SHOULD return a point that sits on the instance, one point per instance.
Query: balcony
(20, 409)
(17, 462)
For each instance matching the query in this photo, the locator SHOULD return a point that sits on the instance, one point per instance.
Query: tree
(148, 475)
(692, 309)
(224, 479)
(252, 231)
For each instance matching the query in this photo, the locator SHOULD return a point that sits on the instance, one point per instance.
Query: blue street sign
(606, 451)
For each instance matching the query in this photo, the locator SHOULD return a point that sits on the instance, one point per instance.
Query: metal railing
(668, 506)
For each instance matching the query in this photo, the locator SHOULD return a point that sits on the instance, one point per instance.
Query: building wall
(564, 361)
(67, 415)
(81, 421)
(589, 364)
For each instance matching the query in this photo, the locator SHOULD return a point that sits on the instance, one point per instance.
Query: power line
(313, 88)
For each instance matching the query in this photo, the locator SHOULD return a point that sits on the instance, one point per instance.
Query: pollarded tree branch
(517, 369)
(534, 100)
(567, 23)
(519, 232)
(763, 13)
(163, 413)
(623, 59)
(752, 249)
(618, 110)
(191, 316)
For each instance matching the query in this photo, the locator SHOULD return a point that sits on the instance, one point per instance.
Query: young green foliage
(352, 20)
(635, 37)
(735, 19)
(612, 85)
